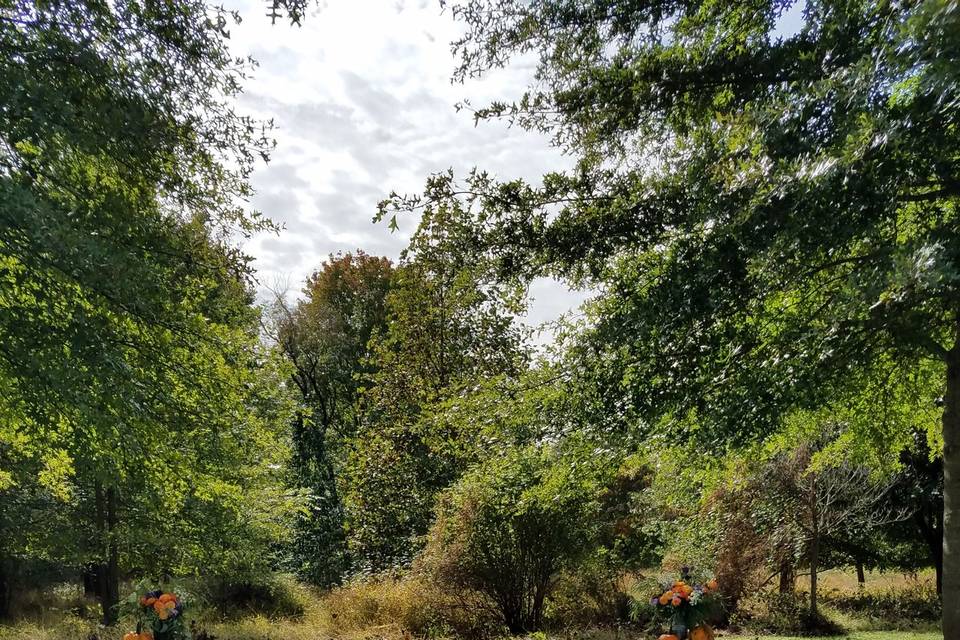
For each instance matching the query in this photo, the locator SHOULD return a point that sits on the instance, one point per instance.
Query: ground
(55, 614)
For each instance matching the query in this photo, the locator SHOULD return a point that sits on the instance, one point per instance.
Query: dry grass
(846, 580)
(384, 609)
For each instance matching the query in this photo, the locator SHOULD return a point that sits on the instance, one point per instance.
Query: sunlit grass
(860, 635)
(376, 611)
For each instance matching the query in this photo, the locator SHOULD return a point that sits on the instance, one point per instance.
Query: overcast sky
(363, 104)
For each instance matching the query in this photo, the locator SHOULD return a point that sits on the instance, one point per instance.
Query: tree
(447, 326)
(512, 523)
(128, 346)
(766, 211)
(920, 490)
(824, 502)
(325, 337)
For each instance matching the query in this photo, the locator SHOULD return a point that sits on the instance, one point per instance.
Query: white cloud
(363, 105)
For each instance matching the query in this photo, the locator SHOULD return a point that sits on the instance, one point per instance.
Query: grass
(845, 580)
(384, 611)
(863, 635)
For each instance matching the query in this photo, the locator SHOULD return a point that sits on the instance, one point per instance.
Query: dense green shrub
(272, 596)
(511, 525)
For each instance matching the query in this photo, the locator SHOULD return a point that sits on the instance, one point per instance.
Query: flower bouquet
(159, 616)
(687, 606)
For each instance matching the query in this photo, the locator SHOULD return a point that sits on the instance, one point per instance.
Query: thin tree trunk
(89, 578)
(787, 577)
(6, 580)
(108, 571)
(951, 494)
(938, 568)
(814, 565)
(861, 579)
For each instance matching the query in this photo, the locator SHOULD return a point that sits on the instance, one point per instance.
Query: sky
(363, 105)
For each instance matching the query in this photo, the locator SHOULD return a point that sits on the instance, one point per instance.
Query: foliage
(447, 326)
(511, 524)
(785, 613)
(137, 402)
(276, 597)
(411, 604)
(325, 336)
(592, 594)
(768, 215)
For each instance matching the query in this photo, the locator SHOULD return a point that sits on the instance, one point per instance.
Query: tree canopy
(768, 213)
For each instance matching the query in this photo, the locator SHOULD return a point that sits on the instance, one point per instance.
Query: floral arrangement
(159, 616)
(686, 604)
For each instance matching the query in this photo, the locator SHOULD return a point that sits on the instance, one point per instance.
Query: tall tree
(769, 208)
(448, 324)
(128, 351)
(326, 338)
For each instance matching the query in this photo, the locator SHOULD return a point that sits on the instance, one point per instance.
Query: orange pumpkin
(133, 635)
(702, 632)
(668, 636)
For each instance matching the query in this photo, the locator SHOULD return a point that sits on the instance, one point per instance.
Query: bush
(892, 608)
(511, 525)
(273, 596)
(783, 614)
(409, 604)
(594, 595)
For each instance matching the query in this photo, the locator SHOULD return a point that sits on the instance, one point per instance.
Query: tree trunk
(930, 527)
(814, 565)
(951, 495)
(787, 577)
(861, 579)
(108, 570)
(6, 580)
(89, 578)
(938, 568)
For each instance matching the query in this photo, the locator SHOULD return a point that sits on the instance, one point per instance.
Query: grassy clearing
(846, 580)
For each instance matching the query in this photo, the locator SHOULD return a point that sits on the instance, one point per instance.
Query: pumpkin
(133, 635)
(702, 632)
(668, 636)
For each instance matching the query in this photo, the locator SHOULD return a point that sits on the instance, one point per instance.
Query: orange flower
(712, 584)
(664, 599)
(167, 597)
(150, 602)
